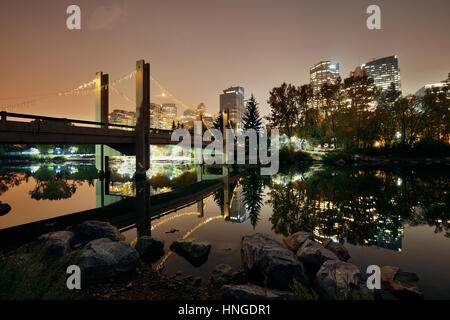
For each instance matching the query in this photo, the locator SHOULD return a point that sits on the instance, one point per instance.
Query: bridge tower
(142, 118)
(142, 131)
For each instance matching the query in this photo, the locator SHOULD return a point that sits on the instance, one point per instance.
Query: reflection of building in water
(387, 236)
(388, 229)
(237, 206)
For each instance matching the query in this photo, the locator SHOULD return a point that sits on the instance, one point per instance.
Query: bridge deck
(63, 131)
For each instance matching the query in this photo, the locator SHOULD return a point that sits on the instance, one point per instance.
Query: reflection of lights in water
(33, 169)
(73, 170)
(169, 253)
(178, 215)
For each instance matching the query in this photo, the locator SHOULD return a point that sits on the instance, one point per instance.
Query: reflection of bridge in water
(133, 212)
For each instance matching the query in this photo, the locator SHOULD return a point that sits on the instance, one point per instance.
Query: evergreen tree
(251, 118)
(218, 123)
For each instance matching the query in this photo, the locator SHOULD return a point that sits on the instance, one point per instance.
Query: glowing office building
(384, 71)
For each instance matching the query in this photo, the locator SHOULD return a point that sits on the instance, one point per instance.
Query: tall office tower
(168, 114)
(156, 116)
(323, 72)
(384, 71)
(232, 99)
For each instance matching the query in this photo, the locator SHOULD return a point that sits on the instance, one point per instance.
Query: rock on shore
(401, 284)
(104, 258)
(338, 249)
(268, 260)
(149, 248)
(224, 274)
(195, 252)
(294, 241)
(93, 229)
(57, 244)
(338, 280)
(313, 255)
(253, 292)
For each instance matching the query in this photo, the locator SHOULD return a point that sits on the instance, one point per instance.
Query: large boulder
(294, 241)
(268, 260)
(195, 252)
(57, 244)
(313, 255)
(339, 280)
(150, 248)
(93, 229)
(338, 249)
(224, 274)
(402, 284)
(104, 258)
(253, 292)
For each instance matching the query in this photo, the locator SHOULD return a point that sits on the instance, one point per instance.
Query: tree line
(354, 113)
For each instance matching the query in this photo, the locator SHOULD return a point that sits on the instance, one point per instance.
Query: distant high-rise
(156, 120)
(123, 117)
(168, 114)
(323, 72)
(232, 99)
(384, 71)
(434, 86)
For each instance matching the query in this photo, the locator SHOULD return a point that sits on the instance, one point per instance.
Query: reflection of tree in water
(10, 179)
(252, 189)
(292, 211)
(219, 196)
(361, 205)
(56, 186)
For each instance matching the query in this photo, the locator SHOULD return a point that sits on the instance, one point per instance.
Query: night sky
(197, 48)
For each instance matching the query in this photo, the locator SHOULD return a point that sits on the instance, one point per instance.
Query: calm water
(397, 217)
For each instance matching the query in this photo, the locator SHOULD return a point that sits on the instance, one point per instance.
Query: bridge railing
(4, 118)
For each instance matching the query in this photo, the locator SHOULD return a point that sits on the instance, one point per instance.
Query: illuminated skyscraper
(123, 117)
(168, 114)
(323, 72)
(384, 71)
(156, 120)
(232, 99)
(434, 86)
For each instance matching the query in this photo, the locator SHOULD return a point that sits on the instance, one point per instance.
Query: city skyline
(194, 61)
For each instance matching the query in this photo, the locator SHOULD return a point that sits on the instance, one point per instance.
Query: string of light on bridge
(89, 87)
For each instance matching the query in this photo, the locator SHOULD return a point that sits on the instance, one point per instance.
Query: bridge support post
(224, 136)
(101, 98)
(142, 146)
(225, 173)
(143, 223)
(101, 115)
(200, 208)
(142, 118)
